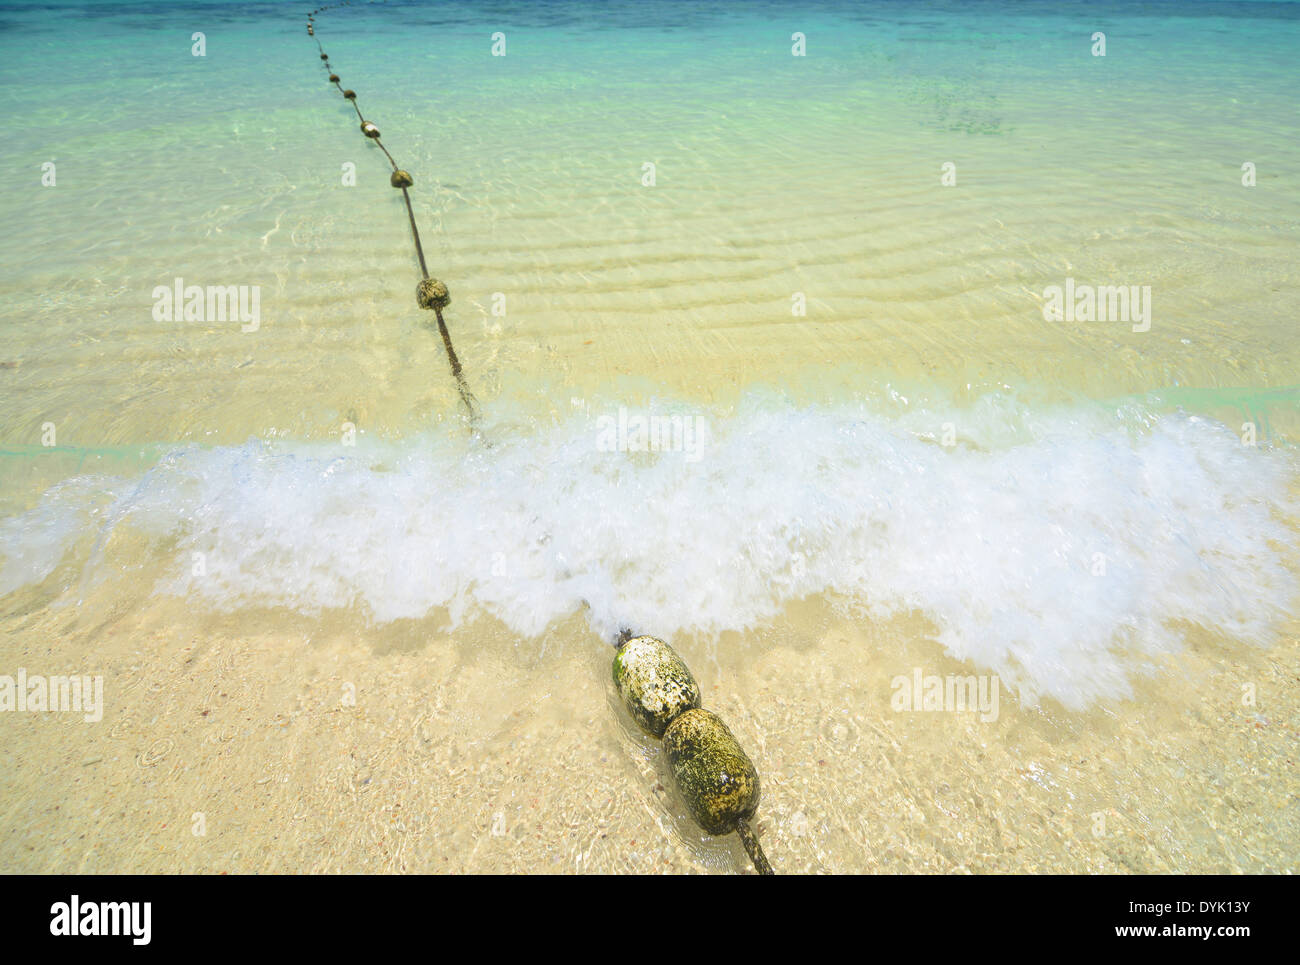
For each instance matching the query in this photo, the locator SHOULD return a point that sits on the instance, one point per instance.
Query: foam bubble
(1058, 548)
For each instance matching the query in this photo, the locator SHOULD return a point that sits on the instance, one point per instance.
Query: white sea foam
(33, 544)
(1058, 549)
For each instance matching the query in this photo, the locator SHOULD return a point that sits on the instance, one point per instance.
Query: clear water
(922, 439)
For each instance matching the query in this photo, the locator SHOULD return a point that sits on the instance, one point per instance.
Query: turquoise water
(921, 439)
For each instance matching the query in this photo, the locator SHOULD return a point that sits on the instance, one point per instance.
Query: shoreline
(460, 757)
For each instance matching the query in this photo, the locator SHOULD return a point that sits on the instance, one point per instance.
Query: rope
(433, 294)
(753, 848)
(430, 293)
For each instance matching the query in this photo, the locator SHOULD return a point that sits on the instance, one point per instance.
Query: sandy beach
(339, 630)
(504, 758)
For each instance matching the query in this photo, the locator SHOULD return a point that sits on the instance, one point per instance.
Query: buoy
(401, 179)
(369, 130)
(334, 78)
(654, 682)
(432, 293)
(350, 95)
(324, 56)
(716, 777)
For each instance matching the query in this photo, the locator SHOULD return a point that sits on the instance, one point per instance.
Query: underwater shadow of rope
(715, 776)
(430, 293)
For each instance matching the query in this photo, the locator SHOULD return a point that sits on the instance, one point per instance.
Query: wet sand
(505, 756)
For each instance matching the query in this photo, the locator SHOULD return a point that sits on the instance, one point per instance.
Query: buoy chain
(430, 293)
(716, 778)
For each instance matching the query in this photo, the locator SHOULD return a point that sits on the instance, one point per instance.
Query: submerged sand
(341, 749)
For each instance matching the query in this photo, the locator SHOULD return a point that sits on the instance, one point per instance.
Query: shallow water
(919, 467)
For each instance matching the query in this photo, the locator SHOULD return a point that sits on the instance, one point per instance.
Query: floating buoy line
(715, 776)
(430, 293)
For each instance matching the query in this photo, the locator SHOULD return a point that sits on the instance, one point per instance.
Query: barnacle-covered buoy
(334, 78)
(369, 130)
(432, 293)
(715, 776)
(350, 95)
(655, 683)
(401, 179)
